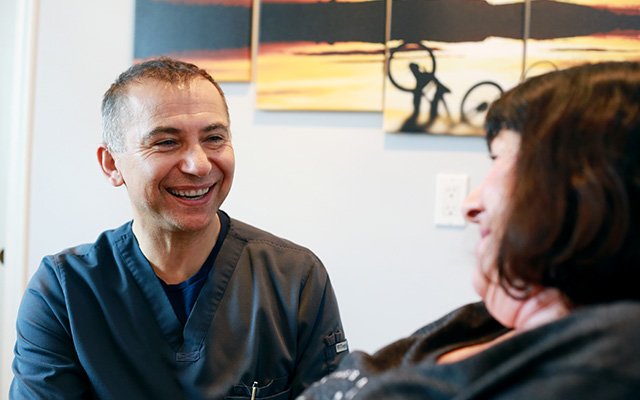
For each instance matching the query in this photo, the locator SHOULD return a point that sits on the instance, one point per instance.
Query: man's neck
(176, 255)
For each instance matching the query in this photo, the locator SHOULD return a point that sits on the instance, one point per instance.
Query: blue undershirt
(183, 295)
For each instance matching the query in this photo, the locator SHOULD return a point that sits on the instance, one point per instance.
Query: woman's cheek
(484, 272)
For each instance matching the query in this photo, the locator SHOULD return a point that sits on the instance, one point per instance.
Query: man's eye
(216, 140)
(165, 143)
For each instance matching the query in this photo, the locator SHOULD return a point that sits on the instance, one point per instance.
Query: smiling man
(183, 301)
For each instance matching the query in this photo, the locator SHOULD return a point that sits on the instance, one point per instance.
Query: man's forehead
(149, 83)
(147, 87)
(152, 93)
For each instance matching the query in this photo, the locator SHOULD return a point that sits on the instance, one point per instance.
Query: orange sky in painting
(620, 34)
(320, 76)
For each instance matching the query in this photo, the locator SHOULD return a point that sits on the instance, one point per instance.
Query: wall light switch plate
(451, 190)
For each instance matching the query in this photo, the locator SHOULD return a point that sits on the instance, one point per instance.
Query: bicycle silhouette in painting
(429, 93)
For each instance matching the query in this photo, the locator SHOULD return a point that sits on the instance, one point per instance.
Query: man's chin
(193, 225)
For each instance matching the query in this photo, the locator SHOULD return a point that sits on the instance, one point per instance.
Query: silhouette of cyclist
(424, 78)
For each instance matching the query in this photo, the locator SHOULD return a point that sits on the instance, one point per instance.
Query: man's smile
(191, 194)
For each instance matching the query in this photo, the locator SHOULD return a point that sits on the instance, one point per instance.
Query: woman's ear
(108, 165)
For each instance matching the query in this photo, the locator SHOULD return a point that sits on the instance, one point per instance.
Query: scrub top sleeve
(45, 365)
(321, 341)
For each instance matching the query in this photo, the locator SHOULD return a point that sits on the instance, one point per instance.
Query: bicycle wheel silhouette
(539, 68)
(419, 53)
(476, 101)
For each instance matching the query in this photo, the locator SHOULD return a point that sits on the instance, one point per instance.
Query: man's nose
(196, 162)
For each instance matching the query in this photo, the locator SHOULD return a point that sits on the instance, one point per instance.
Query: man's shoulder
(246, 243)
(90, 262)
(256, 236)
(90, 253)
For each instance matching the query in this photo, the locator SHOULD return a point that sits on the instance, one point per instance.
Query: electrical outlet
(451, 190)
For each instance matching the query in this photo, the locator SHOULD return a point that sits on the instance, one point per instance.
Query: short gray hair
(115, 110)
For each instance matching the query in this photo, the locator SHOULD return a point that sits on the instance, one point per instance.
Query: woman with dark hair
(558, 262)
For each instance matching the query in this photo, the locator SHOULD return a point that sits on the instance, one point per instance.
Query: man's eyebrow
(215, 127)
(160, 130)
(174, 131)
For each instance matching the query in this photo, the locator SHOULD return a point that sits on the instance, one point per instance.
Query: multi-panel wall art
(431, 66)
(448, 59)
(570, 32)
(213, 34)
(321, 55)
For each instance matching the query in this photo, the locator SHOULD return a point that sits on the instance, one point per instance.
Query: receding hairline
(123, 90)
(170, 71)
(142, 82)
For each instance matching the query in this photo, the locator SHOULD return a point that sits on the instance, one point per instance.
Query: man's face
(178, 162)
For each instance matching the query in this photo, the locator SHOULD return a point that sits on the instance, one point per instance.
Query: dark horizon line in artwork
(477, 21)
(332, 22)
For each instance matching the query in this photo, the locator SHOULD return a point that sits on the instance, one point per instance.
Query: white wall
(17, 48)
(361, 199)
(7, 38)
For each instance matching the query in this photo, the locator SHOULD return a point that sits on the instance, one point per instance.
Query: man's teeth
(190, 193)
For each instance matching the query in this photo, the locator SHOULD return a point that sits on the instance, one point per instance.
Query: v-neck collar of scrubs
(186, 341)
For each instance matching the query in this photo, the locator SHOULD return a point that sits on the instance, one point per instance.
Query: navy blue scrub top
(95, 322)
(183, 295)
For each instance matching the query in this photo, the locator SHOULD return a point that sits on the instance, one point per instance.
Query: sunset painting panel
(213, 34)
(321, 55)
(448, 60)
(570, 32)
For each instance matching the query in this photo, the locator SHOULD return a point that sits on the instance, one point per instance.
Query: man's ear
(108, 165)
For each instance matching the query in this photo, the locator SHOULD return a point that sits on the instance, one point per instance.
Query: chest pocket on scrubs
(276, 389)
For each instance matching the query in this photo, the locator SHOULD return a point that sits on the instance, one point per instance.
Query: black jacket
(590, 354)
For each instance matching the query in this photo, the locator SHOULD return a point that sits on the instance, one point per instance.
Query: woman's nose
(471, 208)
